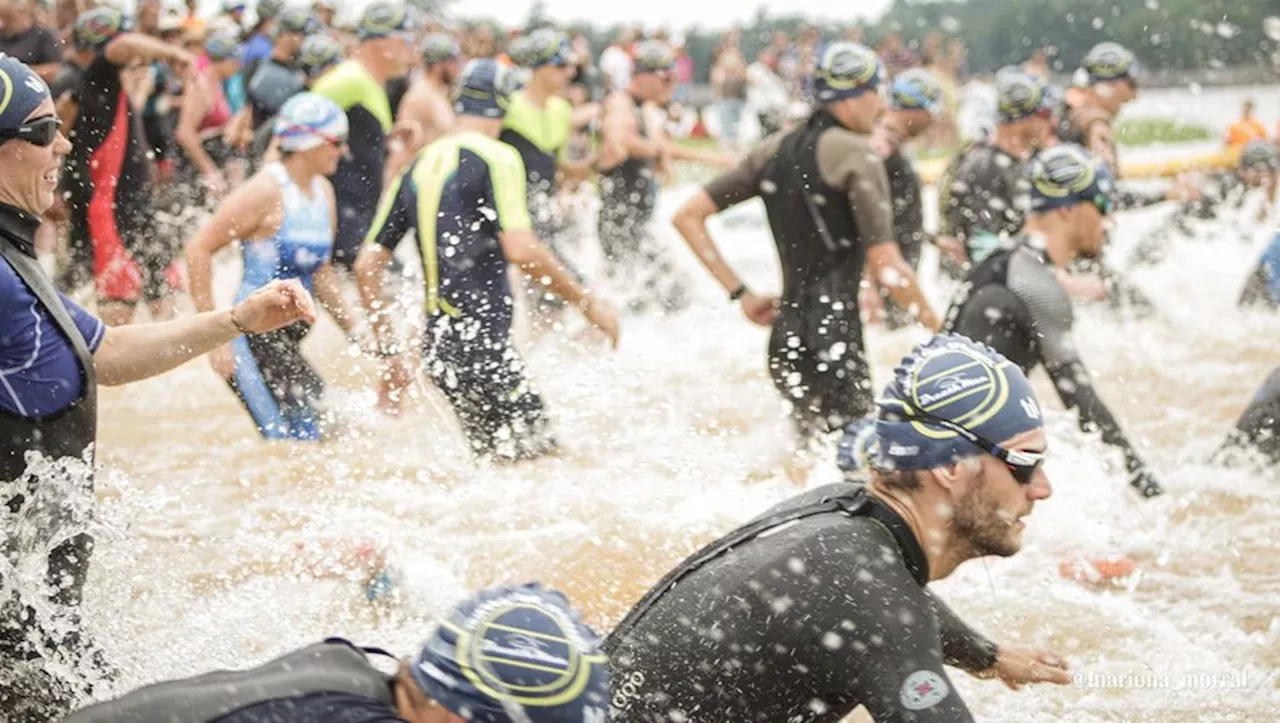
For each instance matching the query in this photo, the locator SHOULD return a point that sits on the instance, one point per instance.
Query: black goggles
(40, 132)
(1022, 464)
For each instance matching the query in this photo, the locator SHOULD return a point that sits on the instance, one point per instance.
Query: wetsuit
(1263, 285)
(108, 186)
(1013, 303)
(908, 223)
(984, 199)
(272, 378)
(816, 607)
(331, 681)
(1259, 425)
(358, 180)
(273, 84)
(48, 404)
(628, 196)
(460, 194)
(541, 137)
(822, 228)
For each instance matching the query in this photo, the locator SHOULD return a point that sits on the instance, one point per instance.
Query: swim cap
(1020, 94)
(858, 447)
(231, 6)
(94, 28)
(484, 88)
(21, 91)
(382, 19)
(916, 89)
(545, 46)
(318, 53)
(956, 379)
(268, 9)
(308, 121)
(222, 45)
(297, 20)
(1110, 61)
(1259, 155)
(847, 70)
(438, 48)
(654, 56)
(1066, 175)
(515, 654)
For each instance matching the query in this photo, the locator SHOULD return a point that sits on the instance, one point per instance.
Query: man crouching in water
(506, 655)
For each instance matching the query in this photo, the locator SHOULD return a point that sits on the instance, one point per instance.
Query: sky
(672, 13)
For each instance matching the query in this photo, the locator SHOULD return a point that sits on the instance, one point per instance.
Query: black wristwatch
(738, 293)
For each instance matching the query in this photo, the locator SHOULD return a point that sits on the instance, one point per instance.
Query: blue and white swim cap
(515, 655)
(309, 121)
(956, 379)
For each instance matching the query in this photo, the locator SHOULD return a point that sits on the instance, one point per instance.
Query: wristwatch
(738, 293)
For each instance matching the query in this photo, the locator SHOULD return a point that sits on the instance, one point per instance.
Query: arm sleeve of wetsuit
(962, 646)
(1051, 319)
(339, 88)
(847, 162)
(507, 176)
(397, 213)
(959, 213)
(895, 658)
(742, 182)
(90, 326)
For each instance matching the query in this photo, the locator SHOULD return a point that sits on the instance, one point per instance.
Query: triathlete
(427, 103)
(634, 148)
(358, 87)
(915, 99)
(827, 200)
(284, 219)
(203, 117)
(539, 124)
(464, 197)
(257, 40)
(821, 604)
(984, 196)
(108, 183)
(319, 53)
(1014, 302)
(278, 77)
(1258, 428)
(504, 655)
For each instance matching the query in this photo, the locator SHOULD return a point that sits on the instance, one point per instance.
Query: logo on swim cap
(923, 689)
(1030, 407)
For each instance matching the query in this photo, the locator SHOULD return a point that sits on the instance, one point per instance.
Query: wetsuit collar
(19, 227)
(912, 553)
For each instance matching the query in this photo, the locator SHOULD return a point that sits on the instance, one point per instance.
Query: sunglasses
(40, 132)
(1022, 464)
(1103, 203)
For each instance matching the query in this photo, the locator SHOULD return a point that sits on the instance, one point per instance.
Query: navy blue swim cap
(958, 380)
(515, 654)
(544, 46)
(847, 70)
(1067, 175)
(21, 91)
(438, 47)
(484, 89)
(383, 19)
(916, 89)
(1020, 94)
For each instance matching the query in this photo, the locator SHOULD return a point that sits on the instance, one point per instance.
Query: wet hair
(903, 480)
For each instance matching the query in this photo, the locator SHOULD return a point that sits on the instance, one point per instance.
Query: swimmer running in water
(504, 655)
(464, 199)
(1014, 302)
(821, 604)
(284, 218)
(426, 103)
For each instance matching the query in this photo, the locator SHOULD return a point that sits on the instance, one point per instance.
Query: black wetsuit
(1259, 425)
(1013, 302)
(984, 199)
(908, 224)
(809, 611)
(827, 200)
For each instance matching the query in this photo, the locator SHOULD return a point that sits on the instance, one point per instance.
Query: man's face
(1117, 93)
(449, 71)
(989, 507)
(653, 85)
(862, 111)
(916, 121)
(32, 180)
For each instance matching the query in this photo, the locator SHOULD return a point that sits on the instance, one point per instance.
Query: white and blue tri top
(301, 245)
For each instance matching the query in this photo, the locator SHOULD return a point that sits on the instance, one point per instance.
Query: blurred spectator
(615, 61)
(767, 95)
(326, 10)
(896, 56)
(22, 38)
(1038, 64)
(683, 71)
(729, 83)
(1246, 129)
(148, 17)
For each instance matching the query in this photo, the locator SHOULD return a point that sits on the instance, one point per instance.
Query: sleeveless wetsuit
(272, 378)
